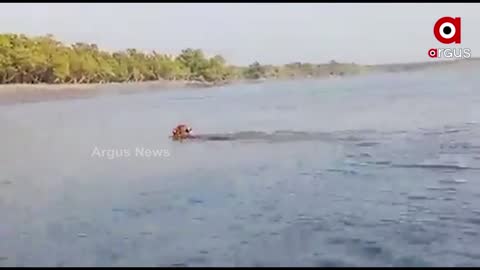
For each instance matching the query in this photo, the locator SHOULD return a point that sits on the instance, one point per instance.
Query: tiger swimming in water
(184, 132)
(181, 132)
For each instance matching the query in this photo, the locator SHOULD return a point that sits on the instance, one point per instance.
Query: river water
(379, 170)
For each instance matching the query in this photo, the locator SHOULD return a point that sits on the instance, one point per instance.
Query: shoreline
(11, 94)
(14, 94)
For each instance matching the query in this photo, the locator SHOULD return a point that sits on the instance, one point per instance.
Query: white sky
(270, 33)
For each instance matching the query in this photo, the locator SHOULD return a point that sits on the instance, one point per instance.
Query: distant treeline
(44, 59)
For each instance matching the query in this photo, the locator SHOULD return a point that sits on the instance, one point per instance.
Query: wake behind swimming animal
(184, 132)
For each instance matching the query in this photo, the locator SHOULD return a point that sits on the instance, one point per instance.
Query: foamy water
(368, 171)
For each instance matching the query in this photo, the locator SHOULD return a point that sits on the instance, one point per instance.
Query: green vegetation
(300, 70)
(43, 59)
(31, 60)
(46, 60)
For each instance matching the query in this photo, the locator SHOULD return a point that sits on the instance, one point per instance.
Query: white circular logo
(447, 30)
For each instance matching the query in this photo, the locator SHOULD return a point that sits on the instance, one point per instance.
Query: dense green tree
(255, 71)
(45, 60)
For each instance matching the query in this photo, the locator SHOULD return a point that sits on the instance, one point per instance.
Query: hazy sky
(269, 33)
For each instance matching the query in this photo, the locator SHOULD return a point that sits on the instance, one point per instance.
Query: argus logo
(450, 53)
(448, 30)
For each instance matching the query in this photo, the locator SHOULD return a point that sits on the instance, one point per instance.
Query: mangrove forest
(44, 59)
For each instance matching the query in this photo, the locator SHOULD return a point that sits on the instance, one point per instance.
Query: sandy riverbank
(24, 93)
